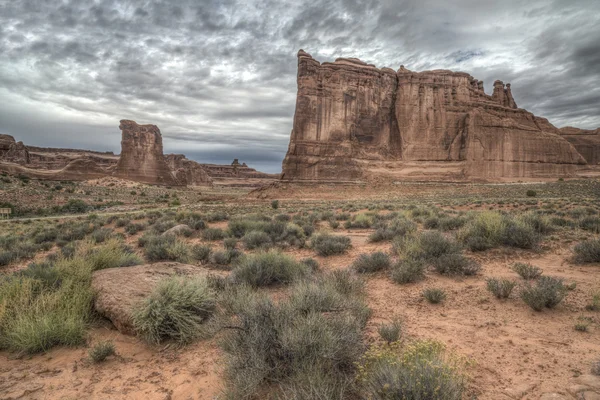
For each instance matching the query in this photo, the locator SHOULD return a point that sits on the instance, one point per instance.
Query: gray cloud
(218, 76)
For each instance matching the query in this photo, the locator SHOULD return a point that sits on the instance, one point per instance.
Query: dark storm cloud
(218, 76)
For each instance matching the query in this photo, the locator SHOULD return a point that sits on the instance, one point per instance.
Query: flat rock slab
(119, 290)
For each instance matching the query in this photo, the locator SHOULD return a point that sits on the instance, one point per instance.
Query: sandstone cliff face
(354, 121)
(142, 158)
(587, 142)
(187, 172)
(13, 151)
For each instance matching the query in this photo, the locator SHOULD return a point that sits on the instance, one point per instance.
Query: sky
(219, 76)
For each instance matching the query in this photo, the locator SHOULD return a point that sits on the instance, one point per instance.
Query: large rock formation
(354, 121)
(142, 158)
(587, 142)
(187, 172)
(13, 151)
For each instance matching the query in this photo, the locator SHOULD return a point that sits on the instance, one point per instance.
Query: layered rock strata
(354, 121)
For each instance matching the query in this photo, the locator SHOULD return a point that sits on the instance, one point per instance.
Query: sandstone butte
(141, 160)
(356, 122)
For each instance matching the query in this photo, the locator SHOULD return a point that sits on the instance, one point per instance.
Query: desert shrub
(398, 227)
(434, 295)
(390, 332)
(216, 216)
(268, 268)
(6, 257)
(590, 223)
(501, 288)
(201, 252)
(256, 239)
(531, 193)
(540, 223)
(547, 292)
(526, 270)
(121, 222)
(44, 272)
(595, 370)
(295, 347)
(426, 246)
(101, 235)
(587, 251)
(238, 227)
(359, 221)
(455, 264)
(47, 235)
(334, 224)
(431, 222)
(408, 271)
(230, 243)
(112, 254)
(421, 370)
(343, 216)
(166, 248)
(224, 258)
(163, 225)
(327, 245)
(213, 234)
(594, 305)
(195, 223)
(492, 229)
(134, 228)
(283, 217)
(367, 263)
(101, 351)
(175, 310)
(451, 223)
(311, 263)
(275, 204)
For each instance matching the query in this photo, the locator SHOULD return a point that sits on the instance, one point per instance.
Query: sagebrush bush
(101, 235)
(296, 348)
(397, 227)
(327, 245)
(587, 251)
(201, 252)
(548, 292)
(501, 288)
(390, 332)
(213, 234)
(175, 310)
(455, 264)
(359, 221)
(526, 270)
(256, 239)
(408, 271)
(101, 351)
(222, 259)
(367, 263)
(434, 295)
(268, 268)
(166, 248)
(422, 370)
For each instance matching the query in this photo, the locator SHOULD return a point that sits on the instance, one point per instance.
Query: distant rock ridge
(586, 141)
(354, 121)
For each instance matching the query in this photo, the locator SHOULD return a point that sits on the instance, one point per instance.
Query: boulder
(177, 230)
(142, 158)
(120, 290)
(356, 122)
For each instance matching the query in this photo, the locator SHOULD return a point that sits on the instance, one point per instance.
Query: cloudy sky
(218, 76)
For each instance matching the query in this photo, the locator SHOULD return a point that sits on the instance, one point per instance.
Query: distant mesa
(355, 122)
(141, 160)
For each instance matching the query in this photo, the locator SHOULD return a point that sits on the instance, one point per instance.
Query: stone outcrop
(13, 151)
(142, 158)
(187, 172)
(119, 290)
(354, 121)
(587, 142)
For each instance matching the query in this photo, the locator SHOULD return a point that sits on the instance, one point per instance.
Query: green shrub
(134, 228)
(455, 264)
(296, 348)
(531, 193)
(166, 248)
(367, 263)
(501, 288)
(398, 227)
(224, 258)
(101, 351)
(587, 251)
(434, 296)
(201, 252)
(526, 270)
(175, 310)
(390, 332)
(548, 292)
(422, 370)
(230, 243)
(213, 234)
(327, 245)
(408, 271)
(256, 239)
(275, 204)
(595, 303)
(311, 263)
(359, 221)
(590, 223)
(101, 235)
(48, 235)
(44, 272)
(121, 222)
(283, 217)
(269, 268)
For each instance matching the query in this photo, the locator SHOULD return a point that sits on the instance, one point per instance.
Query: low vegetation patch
(367, 263)
(175, 310)
(501, 288)
(434, 295)
(166, 248)
(526, 270)
(269, 268)
(101, 351)
(587, 251)
(547, 292)
(328, 245)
